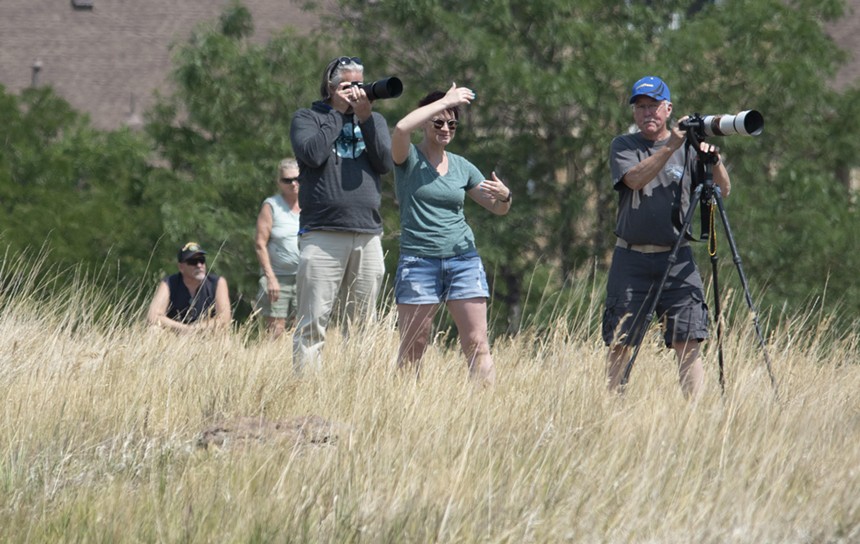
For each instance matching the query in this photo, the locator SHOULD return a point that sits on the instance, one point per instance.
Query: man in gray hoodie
(342, 147)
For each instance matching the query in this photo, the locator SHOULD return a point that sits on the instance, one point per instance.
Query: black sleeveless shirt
(183, 307)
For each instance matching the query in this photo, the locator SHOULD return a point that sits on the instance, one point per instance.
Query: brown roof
(846, 33)
(106, 59)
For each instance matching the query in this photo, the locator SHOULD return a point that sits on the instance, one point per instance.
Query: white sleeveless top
(284, 239)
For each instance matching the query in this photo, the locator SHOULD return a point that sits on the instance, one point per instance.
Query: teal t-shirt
(432, 223)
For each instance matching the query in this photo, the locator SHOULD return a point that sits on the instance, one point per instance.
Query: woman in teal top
(438, 259)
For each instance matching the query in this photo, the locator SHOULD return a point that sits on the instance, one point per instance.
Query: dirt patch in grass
(305, 430)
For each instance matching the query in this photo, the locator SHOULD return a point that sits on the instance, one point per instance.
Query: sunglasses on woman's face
(439, 123)
(289, 180)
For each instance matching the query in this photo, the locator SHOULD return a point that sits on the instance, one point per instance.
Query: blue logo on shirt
(675, 172)
(350, 143)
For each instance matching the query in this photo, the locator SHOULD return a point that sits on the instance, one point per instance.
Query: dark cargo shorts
(634, 278)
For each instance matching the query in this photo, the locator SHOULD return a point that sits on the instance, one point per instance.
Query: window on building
(82, 4)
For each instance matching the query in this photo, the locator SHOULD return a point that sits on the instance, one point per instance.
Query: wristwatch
(510, 195)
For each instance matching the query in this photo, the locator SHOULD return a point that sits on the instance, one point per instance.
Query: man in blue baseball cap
(651, 172)
(650, 86)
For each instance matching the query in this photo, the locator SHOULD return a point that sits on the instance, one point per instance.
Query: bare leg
(415, 321)
(275, 326)
(619, 354)
(470, 316)
(691, 373)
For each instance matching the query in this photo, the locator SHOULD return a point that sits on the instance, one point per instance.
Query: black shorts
(634, 278)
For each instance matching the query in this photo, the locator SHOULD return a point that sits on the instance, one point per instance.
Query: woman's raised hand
(457, 96)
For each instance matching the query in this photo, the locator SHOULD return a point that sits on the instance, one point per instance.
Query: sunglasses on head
(344, 61)
(452, 123)
(194, 261)
(289, 180)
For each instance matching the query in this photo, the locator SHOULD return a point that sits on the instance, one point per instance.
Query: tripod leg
(673, 258)
(737, 260)
(718, 319)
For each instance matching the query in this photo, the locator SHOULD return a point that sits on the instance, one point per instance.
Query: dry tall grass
(101, 418)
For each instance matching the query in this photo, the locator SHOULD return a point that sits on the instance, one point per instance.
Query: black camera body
(747, 123)
(388, 87)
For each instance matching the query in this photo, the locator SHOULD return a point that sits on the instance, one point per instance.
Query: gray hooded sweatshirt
(340, 164)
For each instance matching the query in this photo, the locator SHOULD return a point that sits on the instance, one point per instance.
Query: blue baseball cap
(651, 86)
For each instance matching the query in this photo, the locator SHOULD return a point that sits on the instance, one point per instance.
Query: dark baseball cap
(651, 86)
(189, 250)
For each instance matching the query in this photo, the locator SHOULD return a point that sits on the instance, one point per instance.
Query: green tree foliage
(223, 131)
(791, 214)
(75, 190)
(553, 78)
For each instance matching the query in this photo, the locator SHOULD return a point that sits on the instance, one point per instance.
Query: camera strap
(706, 207)
(712, 230)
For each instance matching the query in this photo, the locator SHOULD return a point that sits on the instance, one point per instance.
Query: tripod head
(702, 176)
(698, 127)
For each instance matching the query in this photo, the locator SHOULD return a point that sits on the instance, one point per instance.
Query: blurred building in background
(107, 57)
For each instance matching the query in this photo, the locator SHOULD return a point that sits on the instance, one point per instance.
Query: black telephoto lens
(389, 87)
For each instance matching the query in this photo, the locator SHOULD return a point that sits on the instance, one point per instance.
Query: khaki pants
(336, 269)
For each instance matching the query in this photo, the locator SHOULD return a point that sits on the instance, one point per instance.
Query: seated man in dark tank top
(191, 299)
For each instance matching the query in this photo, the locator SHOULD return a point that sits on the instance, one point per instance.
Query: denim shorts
(431, 280)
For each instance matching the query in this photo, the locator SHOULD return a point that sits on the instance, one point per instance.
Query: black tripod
(708, 194)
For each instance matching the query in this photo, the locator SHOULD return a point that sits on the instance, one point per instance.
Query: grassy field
(103, 419)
